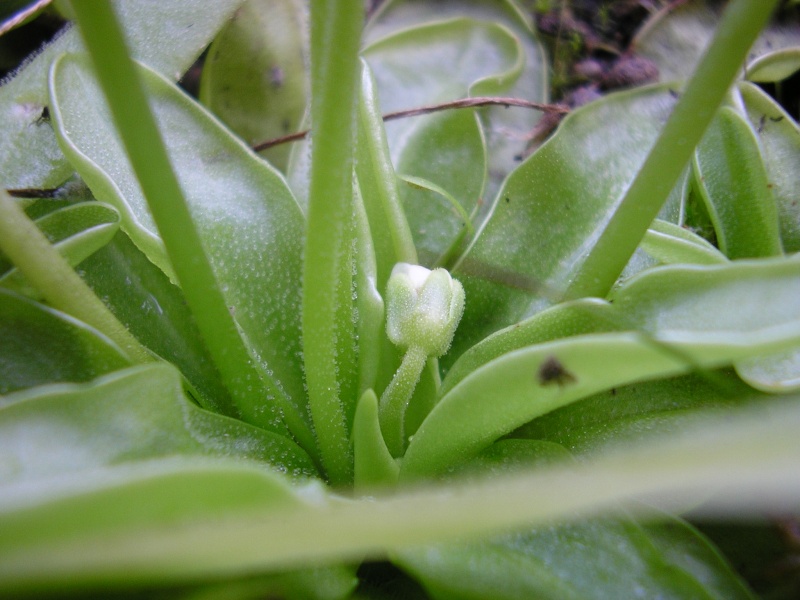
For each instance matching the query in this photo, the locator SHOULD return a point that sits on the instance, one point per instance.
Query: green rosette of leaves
(399, 357)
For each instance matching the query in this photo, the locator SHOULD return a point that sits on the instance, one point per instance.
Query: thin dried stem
(425, 110)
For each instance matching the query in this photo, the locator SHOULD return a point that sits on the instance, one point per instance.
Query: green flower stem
(740, 26)
(335, 37)
(397, 395)
(56, 281)
(147, 153)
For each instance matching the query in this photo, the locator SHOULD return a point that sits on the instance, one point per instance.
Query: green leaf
(775, 66)
(732, 303)
(51, 275)
(254, 77)
(746, 462)
(578, 317)
(426, 185)
(368, 306)
(60, 431)
(631, 413)
(436, 199)
(41, 345)
(415, 67)
(447, 150)
(537, 235)
(666, 162)
(77, 231)
(251, 227)
(519, 386)
(672, 244)
(685, 548)
(378, 184)
(155, 311)
(609, 558)
(320, 583)
(129, 451)
(777, 373)
(509, 455)
(374, 465)
(779, 137)
(676, 38)
(674, 209)
(504, 131)
(128, 501)
(732, 180)
(694, 317)
(143, 521)
(168, 36)
(668, 240)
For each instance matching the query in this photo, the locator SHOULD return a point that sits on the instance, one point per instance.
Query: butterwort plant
(406, 357)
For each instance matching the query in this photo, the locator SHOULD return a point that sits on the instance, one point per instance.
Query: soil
(589, 42)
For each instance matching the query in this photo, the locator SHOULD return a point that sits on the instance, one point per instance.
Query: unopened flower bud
(423, 308)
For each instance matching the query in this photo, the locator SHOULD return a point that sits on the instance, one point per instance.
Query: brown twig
(425, 110)
(478, 101)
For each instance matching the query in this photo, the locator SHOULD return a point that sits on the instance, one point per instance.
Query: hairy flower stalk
(423, 309)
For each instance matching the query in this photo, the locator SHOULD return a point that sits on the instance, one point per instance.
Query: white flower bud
(423, 308)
